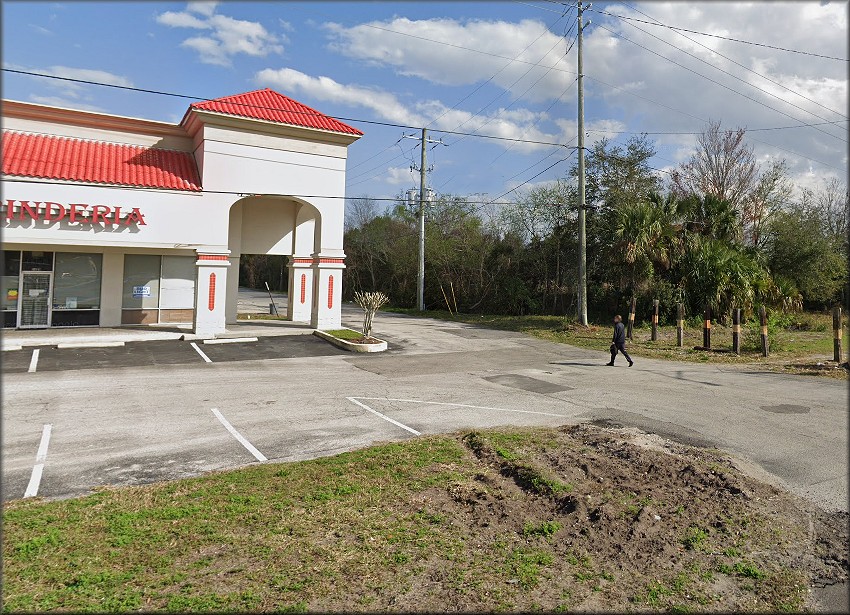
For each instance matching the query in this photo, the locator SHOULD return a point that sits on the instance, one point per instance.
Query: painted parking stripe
(100, 344)
(34, 361)
(201, 352)
(383, 416)
(445, 403)
(242, 440)
(40, 457)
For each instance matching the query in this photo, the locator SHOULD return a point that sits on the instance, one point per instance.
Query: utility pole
(420, 287)
(423, 196)
(582, 207)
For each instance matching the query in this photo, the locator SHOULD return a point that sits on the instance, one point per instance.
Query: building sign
(141, 291)
(73, 213)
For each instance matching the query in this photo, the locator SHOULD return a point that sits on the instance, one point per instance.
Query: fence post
(631, 318)
(736, 330)
(680, 325)
(654, 319)
(763, 320)
(836, 333)
(706, 329)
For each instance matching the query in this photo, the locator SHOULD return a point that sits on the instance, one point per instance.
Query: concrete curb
(230, 340)
(353, 347)
(89, 344)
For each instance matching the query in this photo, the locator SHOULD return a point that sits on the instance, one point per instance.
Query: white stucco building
(111, 220)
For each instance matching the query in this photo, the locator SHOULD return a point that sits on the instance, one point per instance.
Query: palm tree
(645, 237)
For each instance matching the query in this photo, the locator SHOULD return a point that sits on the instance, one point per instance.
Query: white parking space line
(40, 457)
(34, 361)
(201, 352)
(444, 403)
(383, 416)
(244, 442)
(90, 345)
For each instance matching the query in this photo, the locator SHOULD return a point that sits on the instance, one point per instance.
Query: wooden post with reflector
(706, 330)
(836, 333)
(654, 319)
(680, 325)
(736, 331)
(763, 321)
(631, 318)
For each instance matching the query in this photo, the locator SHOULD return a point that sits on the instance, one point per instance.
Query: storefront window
(76, 281)
(11, 269)
(38, 261)
(141, 281)
(178, 282)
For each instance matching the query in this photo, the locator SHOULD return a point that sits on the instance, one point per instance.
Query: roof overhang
(90, 119)
(195, 118)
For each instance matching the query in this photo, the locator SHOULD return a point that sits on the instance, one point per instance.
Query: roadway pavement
(158, 410)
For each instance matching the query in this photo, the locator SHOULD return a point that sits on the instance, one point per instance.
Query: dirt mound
(610, 520)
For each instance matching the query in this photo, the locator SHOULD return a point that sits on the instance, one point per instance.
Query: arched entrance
(275, 225)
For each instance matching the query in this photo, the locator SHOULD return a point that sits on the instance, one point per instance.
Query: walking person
(618, 344)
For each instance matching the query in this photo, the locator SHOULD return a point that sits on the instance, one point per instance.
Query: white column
(211, 293)
(327, 291)
(300, 301)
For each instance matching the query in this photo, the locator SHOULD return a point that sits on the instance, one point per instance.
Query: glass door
(34, 300)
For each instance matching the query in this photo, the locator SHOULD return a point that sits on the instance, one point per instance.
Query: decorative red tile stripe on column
(213, 257)
(303, 261)
(211, 303)
(303, 287)
(338, 261)
(330, 292)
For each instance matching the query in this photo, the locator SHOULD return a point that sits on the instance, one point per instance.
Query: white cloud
(41, 30)
(205, 8)
(642, 90)
(227, 37)
(507, 123)
(399, 176)
(70, 93)
(539, 71)
(656, 95)
(385, 105)
(182, 20)
(67, 103)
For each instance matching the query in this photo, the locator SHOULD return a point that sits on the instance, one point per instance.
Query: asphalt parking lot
(80, 418)
(165, 352)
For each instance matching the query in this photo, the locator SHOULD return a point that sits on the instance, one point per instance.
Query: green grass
(345, 334)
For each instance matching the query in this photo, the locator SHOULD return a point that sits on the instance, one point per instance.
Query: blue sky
(504, 69)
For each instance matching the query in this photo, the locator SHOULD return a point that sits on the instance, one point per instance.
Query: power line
(726, 38)
(663, 132)
(251, 106)
(31, 180)
(725, 57)
(755, 100)
(482, 84)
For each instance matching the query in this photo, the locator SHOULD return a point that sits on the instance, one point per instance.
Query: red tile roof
(65, 158)
(271, 106)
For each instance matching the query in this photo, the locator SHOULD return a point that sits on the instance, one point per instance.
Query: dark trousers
(621, 348)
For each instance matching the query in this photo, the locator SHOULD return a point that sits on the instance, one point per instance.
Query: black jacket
(619, 334)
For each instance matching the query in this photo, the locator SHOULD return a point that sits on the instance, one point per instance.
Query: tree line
(723, 230)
